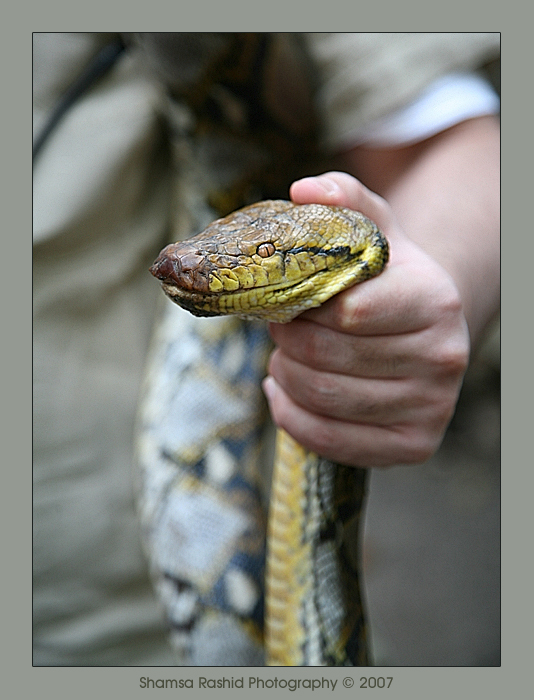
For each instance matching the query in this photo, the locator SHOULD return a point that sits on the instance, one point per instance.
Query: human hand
(372, 377)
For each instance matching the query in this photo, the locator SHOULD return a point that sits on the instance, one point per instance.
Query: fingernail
(269, 387)
(329, 186)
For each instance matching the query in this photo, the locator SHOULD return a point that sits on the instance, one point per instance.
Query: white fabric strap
(447, 101)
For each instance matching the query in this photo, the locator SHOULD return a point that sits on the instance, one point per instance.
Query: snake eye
(265, 250)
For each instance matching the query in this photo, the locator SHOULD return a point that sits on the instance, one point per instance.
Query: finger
(341, 189)
(327, 350)
(410, 295)
(380, 299)
(353, 399)
(348, 443)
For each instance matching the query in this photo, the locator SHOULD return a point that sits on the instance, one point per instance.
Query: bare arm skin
(373, 376)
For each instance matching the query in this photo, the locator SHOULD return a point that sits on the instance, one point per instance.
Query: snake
(270, 261)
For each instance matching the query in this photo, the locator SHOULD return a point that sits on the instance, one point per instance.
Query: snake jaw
(279, 303)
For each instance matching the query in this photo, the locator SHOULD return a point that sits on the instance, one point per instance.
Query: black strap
(101, 63)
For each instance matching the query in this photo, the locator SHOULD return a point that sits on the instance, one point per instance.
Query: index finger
(402, 299)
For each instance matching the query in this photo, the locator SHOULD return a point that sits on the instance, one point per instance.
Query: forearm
(445, 194)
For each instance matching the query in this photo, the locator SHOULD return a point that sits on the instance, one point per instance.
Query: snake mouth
(279, 302)
(187, 275)
(186, 272)
(172, 289)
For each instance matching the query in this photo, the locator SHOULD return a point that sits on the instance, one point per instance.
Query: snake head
(271, 260)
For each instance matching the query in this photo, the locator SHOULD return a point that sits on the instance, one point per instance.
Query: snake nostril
(163, 268)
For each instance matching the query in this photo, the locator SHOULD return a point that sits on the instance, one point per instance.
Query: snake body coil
(271, 261)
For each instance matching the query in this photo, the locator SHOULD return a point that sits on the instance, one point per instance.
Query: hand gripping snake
(271, 261)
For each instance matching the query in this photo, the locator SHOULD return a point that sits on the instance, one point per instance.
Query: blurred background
(432, 540)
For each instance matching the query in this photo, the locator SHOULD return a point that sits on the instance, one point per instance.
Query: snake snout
(181, 269)
(162, 268)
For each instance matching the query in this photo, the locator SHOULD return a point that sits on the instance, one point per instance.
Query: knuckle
(323, 393)
(322, 441)
(418, 447)
(453, 359)
(452, 301)
(444, 410)
(420, 454)
(316, 347)
(350, 309)
(445, 298)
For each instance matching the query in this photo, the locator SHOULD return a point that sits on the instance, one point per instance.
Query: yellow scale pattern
(289, 578)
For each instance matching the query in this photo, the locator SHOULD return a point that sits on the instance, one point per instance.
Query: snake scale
(270, 261)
